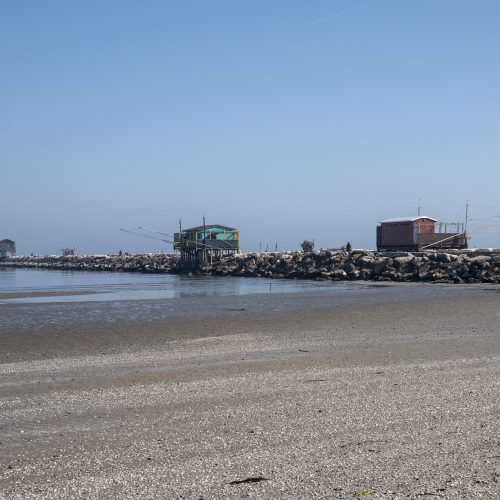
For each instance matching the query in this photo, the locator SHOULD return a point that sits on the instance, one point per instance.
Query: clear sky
(290, 120)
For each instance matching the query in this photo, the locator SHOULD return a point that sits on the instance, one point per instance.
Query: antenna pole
(466, 215)
(419, 207)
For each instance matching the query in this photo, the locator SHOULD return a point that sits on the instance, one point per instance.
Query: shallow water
(80, 286)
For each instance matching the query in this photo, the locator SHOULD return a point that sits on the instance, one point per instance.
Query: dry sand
(395, 400)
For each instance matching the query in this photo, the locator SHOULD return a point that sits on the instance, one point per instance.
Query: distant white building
(7, 247)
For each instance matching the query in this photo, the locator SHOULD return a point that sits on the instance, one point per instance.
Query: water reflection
(78, 286)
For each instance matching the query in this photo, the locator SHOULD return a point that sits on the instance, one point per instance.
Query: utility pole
(204, 250)
(419, 207)
(180, 237)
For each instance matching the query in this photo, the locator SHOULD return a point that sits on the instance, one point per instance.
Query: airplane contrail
(337, 14)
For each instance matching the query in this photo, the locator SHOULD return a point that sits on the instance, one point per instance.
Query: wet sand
(392, 399)
(22, 295)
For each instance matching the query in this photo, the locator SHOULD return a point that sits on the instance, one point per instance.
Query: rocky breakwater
(437, 267)
(334, 265)
(139, 263)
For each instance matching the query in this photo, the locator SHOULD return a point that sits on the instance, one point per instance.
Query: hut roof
(210, 226)
(407, 219)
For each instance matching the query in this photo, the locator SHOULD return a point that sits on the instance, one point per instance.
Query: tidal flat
(385, 392)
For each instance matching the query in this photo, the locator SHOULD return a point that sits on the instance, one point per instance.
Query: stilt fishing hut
(420, 233)
(202, 243)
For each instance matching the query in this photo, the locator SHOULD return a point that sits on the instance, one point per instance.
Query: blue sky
(287, 119)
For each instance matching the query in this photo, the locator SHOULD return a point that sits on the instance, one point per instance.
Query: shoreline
(31, 330)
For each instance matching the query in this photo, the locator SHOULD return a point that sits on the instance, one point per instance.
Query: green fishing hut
(202, 243)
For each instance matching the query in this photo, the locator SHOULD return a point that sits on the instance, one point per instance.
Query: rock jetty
(333, 265)
(470, 267)
(136, 263)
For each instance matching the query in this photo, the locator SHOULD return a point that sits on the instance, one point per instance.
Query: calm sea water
(79, 286)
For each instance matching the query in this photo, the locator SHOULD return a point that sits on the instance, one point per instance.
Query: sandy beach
(267, 397)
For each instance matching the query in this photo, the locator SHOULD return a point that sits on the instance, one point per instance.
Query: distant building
(420, 233)
(7, 248)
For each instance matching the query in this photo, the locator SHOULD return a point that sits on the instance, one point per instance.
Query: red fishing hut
(419, 233)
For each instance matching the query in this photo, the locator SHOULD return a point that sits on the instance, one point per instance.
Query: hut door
(416, 233)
